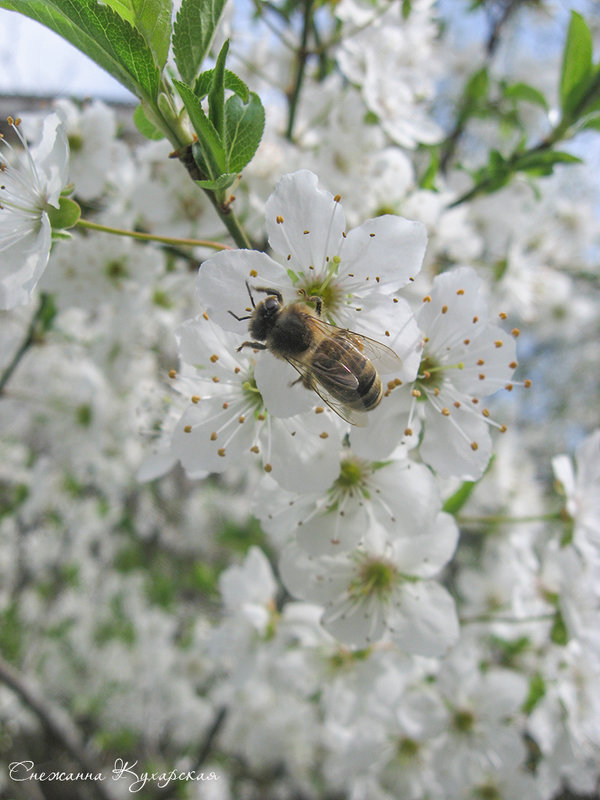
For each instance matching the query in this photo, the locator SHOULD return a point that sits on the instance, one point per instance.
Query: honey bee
(339, 365)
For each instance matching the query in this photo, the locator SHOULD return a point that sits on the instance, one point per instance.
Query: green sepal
(65, 216)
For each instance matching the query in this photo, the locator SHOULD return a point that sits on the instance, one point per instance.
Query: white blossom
(31, 182)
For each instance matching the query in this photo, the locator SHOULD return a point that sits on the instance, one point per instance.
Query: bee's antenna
(250, 294)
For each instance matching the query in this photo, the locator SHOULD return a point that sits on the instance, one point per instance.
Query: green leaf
(66, 215)
(428, 179)
(559, 634)
(216, 95)
(230, 81)
(145, 126)
(543, 163)
(457, 500)
(213, 155)
(593, 123)
(537, 690)
(576, 65)
(244, 125)
(152, 18)
(99, 32)
(524, 92)
(477, 86)
(153, 21)
(220, 183)
(124, 9)
(193, 33)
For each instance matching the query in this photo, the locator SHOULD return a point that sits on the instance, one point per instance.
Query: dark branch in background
(505, 11)
(497, 19)
(29, 339)
(58, 726)
(172, 789)
(301, 57)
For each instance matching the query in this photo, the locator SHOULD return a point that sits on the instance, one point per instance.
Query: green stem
(150, 237)
(26, 343)
(300, 70)
(499, 519)
(231, 222)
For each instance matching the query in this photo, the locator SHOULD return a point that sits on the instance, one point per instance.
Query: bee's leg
(239, 319)
(275, 292)
(312, 298)
(253, 345)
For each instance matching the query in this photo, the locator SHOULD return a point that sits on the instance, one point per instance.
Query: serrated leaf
(216, 95)
(220, 183)
(99, 32)
(244, 126)
(230, 81)
(124, 9)
(153, 20)
(211, 147)
(576, 65)
(526, 93)
(193, 32)
(145, 126)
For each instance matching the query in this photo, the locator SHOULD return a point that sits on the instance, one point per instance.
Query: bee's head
(264, 316)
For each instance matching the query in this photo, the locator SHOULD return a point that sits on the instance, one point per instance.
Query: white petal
(273, 378)
(312, 226)
(449, 447)
(423, 619)
(52, 157)
(221, 285)
(23, 262)
(386, 251)
(424, 554)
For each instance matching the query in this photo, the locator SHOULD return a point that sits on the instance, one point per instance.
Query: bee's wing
(343, 376)
(384, 359)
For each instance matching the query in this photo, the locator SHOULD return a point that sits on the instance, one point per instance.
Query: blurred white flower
(465, 359)
(582, 489)
(383, 587)
(31, 181)
(401, 494)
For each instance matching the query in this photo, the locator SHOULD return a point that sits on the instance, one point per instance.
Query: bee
(339, 365)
